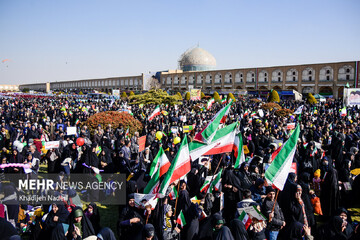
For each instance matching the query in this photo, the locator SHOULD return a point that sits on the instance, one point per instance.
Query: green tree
(179, 96)
(187, 96)
(274, 96)
(131, 93)
(311, 99)
(216, 97)
(230, 96)
(123, 95)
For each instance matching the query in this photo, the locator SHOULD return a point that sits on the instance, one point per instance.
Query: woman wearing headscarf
(106, 163)
(244, 175)
(297, 211)
(80, 226)
(330, 196)
(92, 213)
(232, 193)
(238, 230)
(304, 182)
(333, 230)
(106, 234)
(57, 215)
(297, 231)
(130, 221)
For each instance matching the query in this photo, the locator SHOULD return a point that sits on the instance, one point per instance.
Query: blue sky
(83, 39)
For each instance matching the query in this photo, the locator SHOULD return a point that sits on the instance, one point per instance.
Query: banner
(195, 94)
(142, 141)
(52, 144)
(352, 96)
(71, 131)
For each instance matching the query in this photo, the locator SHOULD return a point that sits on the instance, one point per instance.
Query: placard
(71, 131)
(142, 141)
(52, 144)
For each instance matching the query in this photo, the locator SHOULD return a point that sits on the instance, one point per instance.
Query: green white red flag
(161, 161)
(158, 167)
(238, 148)
(222, 142)
(173, 193)
(212, 182)
(210, 103)
(279, 169)
(155, 113)
(181, 219)
(245, 218)
(207, 134)
(180, 166)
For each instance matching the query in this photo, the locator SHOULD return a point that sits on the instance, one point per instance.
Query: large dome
(197, 59)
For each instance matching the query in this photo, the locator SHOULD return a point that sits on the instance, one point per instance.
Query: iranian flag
(161, 161)
(180, 166)
(245, 218)
(77, 121)
(155, 113)
(143, 200)
(207, 134)
(246, 113)
(253, 114)
(343, 111)
(210, 182)
(210, 103)
(223, 101)
(238, 150)
(222, 142)
(173, 193)
(158, 168)
(279, 169)
(181, 219)
(275, 153)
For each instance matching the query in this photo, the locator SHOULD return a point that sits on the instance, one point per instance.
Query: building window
(310, 78)
(294, 79)
(328, 71)
(265, 79)
(294, 73)
(347, 77)
(328, 78)
(310, 72)
(279, 79)
(347, 70)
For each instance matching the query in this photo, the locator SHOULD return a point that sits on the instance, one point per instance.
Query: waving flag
(180, 166)
(343, 111)
(279, 169)
(222, 142)
(238, 150)
(155, 113)
(210, 103)
(208, 133)
(181, 219)
(211, 182)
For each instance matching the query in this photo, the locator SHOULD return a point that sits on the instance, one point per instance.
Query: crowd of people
(314, 203)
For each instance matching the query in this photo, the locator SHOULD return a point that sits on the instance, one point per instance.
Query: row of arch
(292, 75)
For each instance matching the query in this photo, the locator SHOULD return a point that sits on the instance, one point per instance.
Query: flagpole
(147, 218)
(212, 178)
(177, 198)
(273, 208)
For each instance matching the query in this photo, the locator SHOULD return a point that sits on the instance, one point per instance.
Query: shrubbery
(115, 119)
(274, 96)
(311, 99)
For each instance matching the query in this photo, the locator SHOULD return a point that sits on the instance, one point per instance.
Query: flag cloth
(181, 219)
(299, 110)
(173, 193)
(202, 215)
(238, 148)
(210, 103)
(165, 113)
(279, 169)
(127, 133)
(77, 121)
(207, 134)
(161, 161)
(223, 101)
(222, 142)
(275, 153)
(180, 166)
(246, 113)
(154, 184)
(343, 111)
(211, 182)
(245, 218)
(188, 128)
(155, 113)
